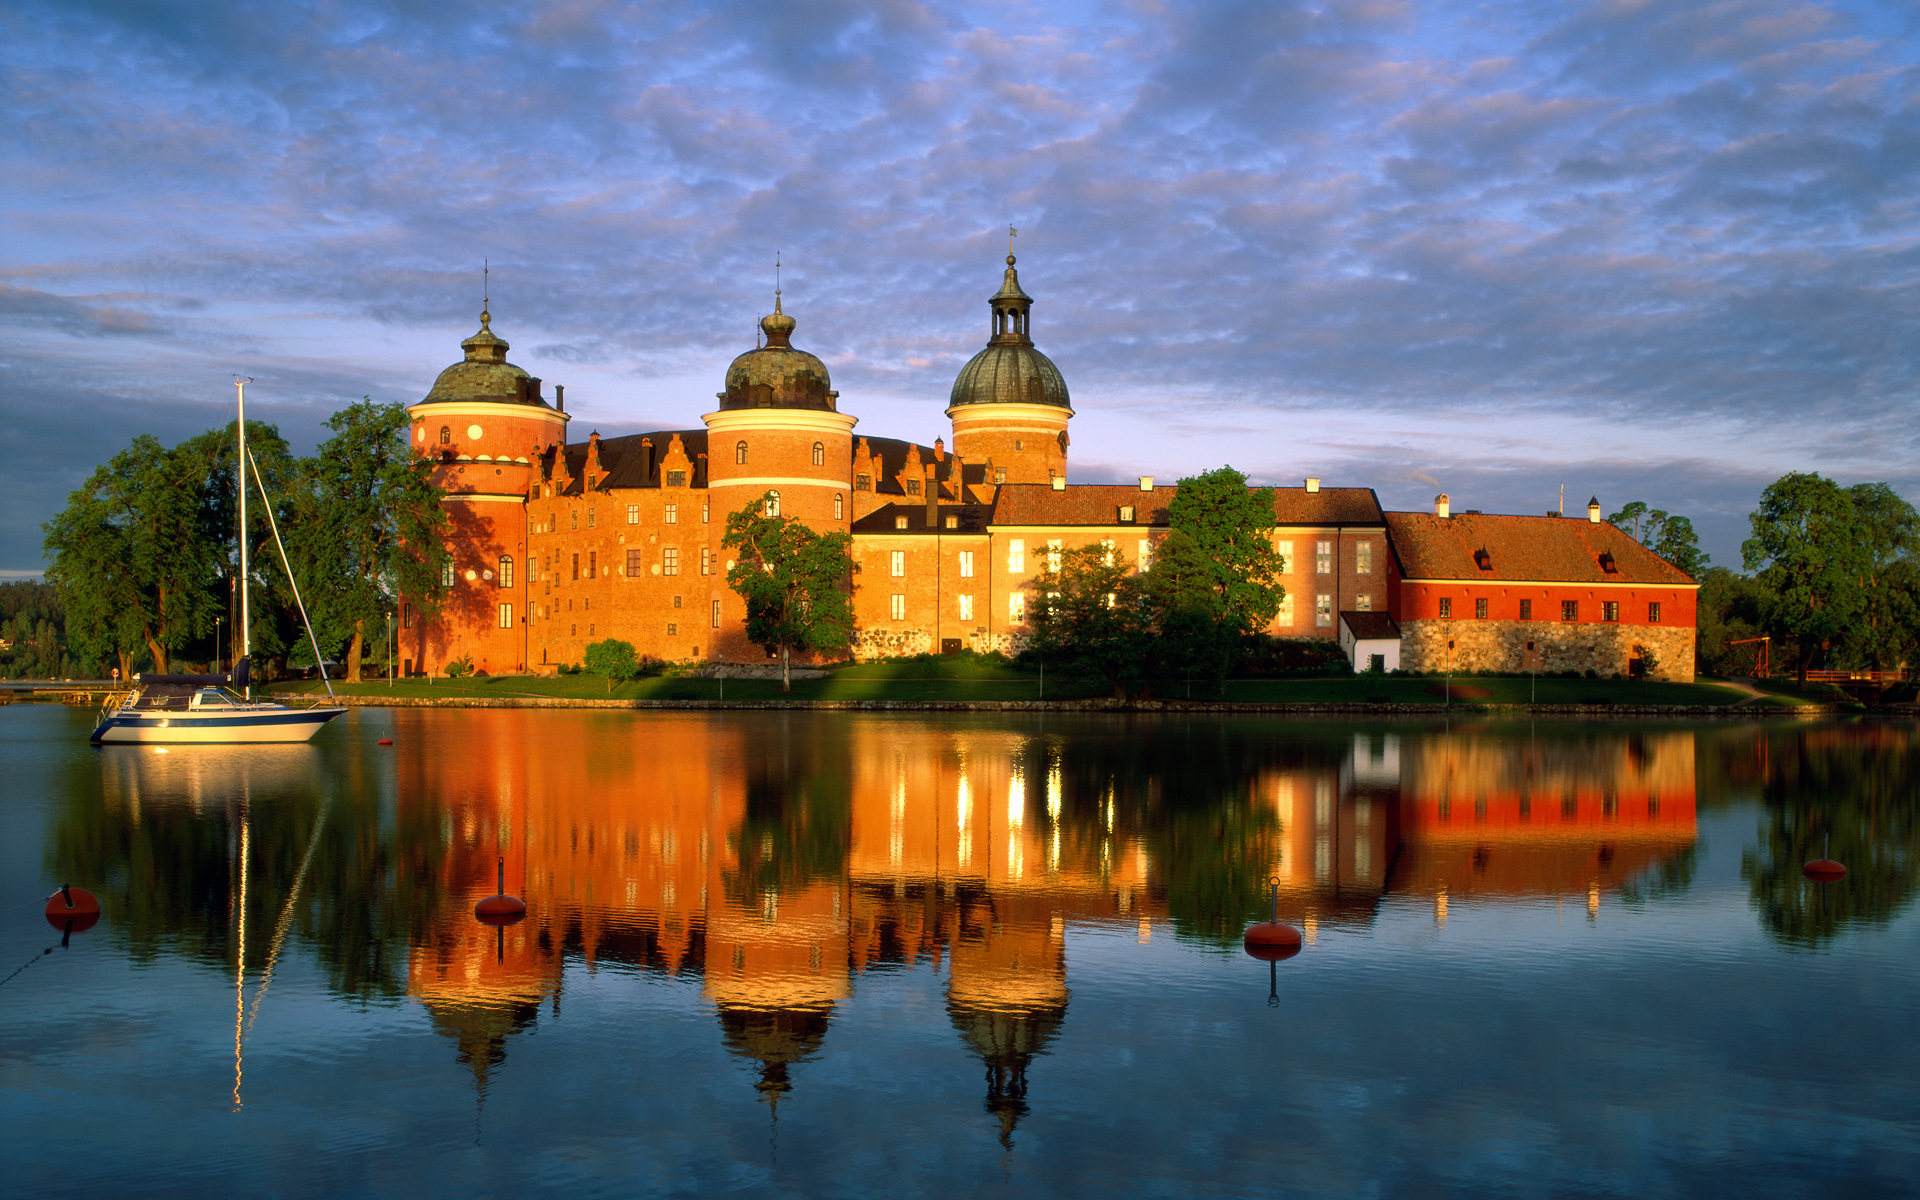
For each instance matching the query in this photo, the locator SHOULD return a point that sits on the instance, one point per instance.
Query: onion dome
(776, 375)
(1010, 370)
(485, 375)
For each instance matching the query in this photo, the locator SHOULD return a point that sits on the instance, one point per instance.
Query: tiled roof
(1544, 549)
(1100, 504)
(1370, 626)
(970, 518)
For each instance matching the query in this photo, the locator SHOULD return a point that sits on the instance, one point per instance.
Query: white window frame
(1363, 558)
(506, 616)
(1016, 554)
(1323, 610)
(966, 564)
(633, 514)
(966, 607)
(897, 564)
(897, 607)
(1322, 558)
(1053, 554)
(671, 516)
(669, 560)
(1017, 608)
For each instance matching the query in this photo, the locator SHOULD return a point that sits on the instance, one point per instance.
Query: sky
(1661, 250)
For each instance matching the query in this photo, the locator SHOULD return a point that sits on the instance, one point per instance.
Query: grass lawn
(964, 679)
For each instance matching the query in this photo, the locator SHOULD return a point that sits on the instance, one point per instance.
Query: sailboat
(219, 708)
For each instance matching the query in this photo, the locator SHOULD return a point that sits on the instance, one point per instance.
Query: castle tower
(778, 429)
(482, 422)
(1009, 403)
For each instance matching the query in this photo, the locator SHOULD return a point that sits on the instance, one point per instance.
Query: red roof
(1100, 504)
(1529, 549)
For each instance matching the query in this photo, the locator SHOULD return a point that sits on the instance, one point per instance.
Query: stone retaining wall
(1603, 648)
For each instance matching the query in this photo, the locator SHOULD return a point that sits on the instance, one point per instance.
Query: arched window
(446, 435)
(839, 509)
(506, 571)
(446, 573)
(740, 454)
(819, 455)
(773, 504)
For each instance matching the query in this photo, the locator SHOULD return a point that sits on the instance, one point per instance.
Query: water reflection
(776, 859)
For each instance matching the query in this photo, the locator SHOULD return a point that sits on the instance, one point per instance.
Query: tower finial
(486, 297)
(776, 281)
(1012, 233)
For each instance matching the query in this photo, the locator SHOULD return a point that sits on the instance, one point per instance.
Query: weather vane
(1012, 233)
(776, 279)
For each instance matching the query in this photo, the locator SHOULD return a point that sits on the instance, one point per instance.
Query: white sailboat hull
(268, 723)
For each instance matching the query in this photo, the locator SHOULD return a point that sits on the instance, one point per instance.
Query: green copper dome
(485, 375)
(776, 375)
(1010, 370)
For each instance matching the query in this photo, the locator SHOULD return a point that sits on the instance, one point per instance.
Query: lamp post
(392, 648)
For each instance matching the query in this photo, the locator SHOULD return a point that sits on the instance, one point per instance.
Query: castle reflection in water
(778, 858)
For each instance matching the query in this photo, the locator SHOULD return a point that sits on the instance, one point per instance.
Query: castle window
(1363, 603)
(900, 522)
(1016, 554)
(863, 483)
(672, 516)
(1569, 610)
(819, 455)
(716, 614)
(1106, 557)
(966, 564)
(673, 630)
(1526, 613)
(1480, 609)
(676, 602)
(1323, 609)
(1323, 558)
(897, 564)
(1609, 610)
(446, 435)
(676, 479)
(1446, 607)
(1363, 558)
(897, 607)
(1126, 512)
(706, 507)
(1017, 608)
(912, 486)
(1019, 445)
(506, 571)
(576, 566)
(952, 522)
(1053, 554)
(740, 454)
(706, 560)
(633, 514)
(634, 564)
(506, 616)
(590, 520)
(670, 560)
(573, 518)
(999, 474)
(593, 566)
(446, 573)
(966, 608)
(1146, 554)
(406, 616)
(1284, 618)
(773, 504)
(839, 506)
(1653, 612)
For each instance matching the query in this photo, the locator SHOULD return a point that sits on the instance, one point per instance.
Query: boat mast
(246, 624)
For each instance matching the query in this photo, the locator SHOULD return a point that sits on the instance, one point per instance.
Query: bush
(613, 659)
(460, 667)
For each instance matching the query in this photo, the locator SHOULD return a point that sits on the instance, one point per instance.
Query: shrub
(460, 667)
(613, 659)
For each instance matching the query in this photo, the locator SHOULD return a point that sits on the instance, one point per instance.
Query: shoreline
(1108, 705)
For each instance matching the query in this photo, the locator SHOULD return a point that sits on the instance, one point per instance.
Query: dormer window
(899, 522)
(913, 487)
(1607, 564)
(863, 483)
(676, 479)
(1126, 512)
(1483, 560)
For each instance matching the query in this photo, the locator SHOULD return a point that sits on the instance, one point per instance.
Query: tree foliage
(1092, 615)
(1218, 556)
(613, 660)
(1809, 560)
(1670, 536)
(794, 582)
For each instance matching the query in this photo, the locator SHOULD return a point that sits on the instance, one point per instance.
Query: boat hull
(271, 725)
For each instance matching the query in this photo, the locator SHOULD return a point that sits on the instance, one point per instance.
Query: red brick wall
(1420, 600)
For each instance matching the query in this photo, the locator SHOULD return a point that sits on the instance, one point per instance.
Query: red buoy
(1270, 941)
(1824, 870)
(76, 905)
(386, 741)
(501, 909)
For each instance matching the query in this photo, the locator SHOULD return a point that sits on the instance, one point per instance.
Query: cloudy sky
(1653, 249)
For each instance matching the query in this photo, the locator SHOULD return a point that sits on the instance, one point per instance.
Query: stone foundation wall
(1604, 649)
(895, 642)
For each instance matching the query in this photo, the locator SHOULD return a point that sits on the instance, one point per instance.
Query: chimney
(1146, 483)
(1442, 507)
(1059, 483)
(560, 396)
(939, 450)
(933, 497)
(533, 389)
(1313, 485)
(646, 459)
(1593, 511)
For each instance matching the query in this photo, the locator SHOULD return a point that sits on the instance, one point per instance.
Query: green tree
(1729, 610)
(1218, 556)
(133, 557)
(1888, 530)
(1806, 550)
(373, 526)
(794, 582)
(1671, 537)
(1090, 616)
(614, 660)
(275, 625)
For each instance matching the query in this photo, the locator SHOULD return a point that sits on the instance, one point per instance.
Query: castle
(555, 544)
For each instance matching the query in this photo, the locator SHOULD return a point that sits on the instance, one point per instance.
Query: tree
(613, 659)
(1888, 530)
(1671, 537)
(1218, 556)
(373, 526)
(275, 626)
(133, 557)
(1091, 615)
(1806, 548)
(794, 582)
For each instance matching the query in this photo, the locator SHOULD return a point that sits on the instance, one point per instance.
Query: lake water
(839, 955)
